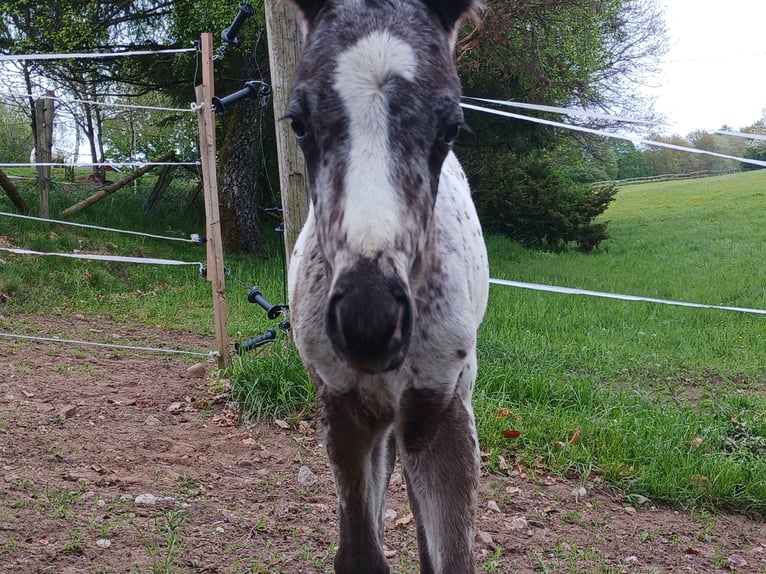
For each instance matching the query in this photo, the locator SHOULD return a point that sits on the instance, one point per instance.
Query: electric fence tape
(604, 133)
(85, 225)
(571, 291)
(101, 257)
(109, 345)
(90, 55)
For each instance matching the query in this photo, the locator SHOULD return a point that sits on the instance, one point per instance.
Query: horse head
(375, 108)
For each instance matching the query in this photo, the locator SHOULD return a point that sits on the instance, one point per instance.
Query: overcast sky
(715, 70)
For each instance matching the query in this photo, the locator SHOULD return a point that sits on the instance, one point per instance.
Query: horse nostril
(335, 318)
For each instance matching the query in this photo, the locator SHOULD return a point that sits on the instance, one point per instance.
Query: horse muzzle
(369, 318)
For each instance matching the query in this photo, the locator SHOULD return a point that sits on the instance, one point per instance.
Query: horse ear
(452, 12)
(307, 10)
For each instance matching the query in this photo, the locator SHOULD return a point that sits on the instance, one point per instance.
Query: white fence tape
(760, 137)
(102, 257)
(570, 291)
(103, 164)
(90, 55)
(604, 133)
(93, 102)
(558, 110)
(85, 225)
(108, 345)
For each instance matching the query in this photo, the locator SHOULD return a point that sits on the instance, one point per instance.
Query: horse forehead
(364, 68)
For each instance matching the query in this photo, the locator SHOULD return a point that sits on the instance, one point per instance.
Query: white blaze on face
(372, 207)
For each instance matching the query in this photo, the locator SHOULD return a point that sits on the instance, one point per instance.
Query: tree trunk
(243, 181)
(13, 193)
(104, 191)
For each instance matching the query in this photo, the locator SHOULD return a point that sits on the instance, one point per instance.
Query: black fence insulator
(267, 337)
(253, 89)
(256, 296)
(229, 35)
(198, 239)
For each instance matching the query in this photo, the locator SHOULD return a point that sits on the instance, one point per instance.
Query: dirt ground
(125, 462)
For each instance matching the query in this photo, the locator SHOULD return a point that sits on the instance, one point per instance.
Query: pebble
(390, 515)
(492, 505)
(485, 538)
(148, 499)
(579, 492)
(152, 421)
(306, 477)
(518, 523)
(629, 510)
(631, 560)
(103, 543)
(197, 371)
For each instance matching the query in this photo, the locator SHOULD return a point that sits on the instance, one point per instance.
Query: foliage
(143, 134)
(15, 140)
(528, 200)
(561, 52)
(630, 161)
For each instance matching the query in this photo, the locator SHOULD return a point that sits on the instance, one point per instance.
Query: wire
(759, 137)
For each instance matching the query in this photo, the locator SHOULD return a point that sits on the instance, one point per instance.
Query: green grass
(667, 402)
(642, 382)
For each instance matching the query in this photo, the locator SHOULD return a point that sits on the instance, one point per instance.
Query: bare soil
(88, 433)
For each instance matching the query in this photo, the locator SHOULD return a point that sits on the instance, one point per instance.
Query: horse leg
(440, 455)
(361, 451)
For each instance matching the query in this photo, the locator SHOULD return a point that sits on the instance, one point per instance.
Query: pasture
(647, 406)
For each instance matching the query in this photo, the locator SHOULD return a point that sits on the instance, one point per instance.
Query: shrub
(528, 200)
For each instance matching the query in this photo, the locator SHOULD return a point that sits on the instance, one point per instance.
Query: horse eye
(451, 133)
(299, 129)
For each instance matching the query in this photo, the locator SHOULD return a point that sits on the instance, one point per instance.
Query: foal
(388, 281)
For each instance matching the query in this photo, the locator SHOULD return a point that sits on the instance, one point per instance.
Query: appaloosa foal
(389, 280)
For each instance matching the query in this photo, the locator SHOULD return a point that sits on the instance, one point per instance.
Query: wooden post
(284, 38)
(44, 122)
(215, 269)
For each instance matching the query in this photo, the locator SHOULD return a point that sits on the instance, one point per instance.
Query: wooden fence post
(44, 122)
(284, 50)
(215, 269)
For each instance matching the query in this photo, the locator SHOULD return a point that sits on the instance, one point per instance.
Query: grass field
(659, 401)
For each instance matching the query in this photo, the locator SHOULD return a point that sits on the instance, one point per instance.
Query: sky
(714, 73)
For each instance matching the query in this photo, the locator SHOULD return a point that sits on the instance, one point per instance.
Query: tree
(630, 161)
(556, 52)
(100, 26)
(247, 160)
(755, 149)
(66, 26)
(15, 138)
